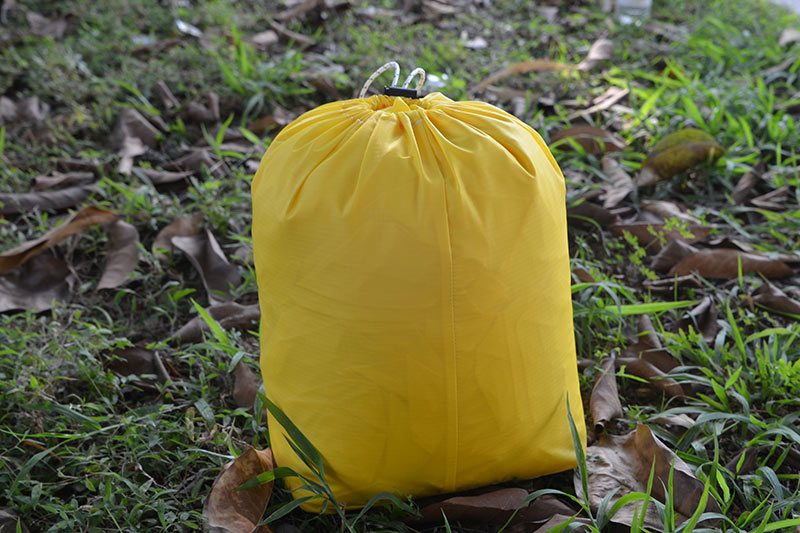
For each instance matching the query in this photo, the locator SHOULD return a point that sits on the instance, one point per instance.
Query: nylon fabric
(413, 274)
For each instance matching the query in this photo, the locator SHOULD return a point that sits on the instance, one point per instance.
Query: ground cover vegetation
(129, 133)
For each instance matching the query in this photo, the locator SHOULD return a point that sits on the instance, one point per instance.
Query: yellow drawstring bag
(416, 315)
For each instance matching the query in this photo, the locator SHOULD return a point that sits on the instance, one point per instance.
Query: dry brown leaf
(613, 95)
(245, 385)
(592, 211)
(298, 38)
(677, 152)
(263, 40)
(624, 463)
(161, 177)
(184, 227)
(57, 178)
(488, 508)
(655, 377)
(227, 510)
(648, 346)
(42, 26)
(297, 10)
(667, 210)
(601, 50)
(593, 139)
(703, 318)
(131, 147)
(137, 361)
(788, 36)
(648, 233)
(131, 123)
(195, 161)
(723, 263)
(230, 315)
(208, 112)
(676, 424)
(36, 285)
(9, 520)
(668, 285)
(217, 274)
(670, 255)
(533, 65)
(745, 185)
(30, 110)
(165, 95)
(771, 297)
(774, 200)
(620, 183)
(122, 255)
(604, 403)
(84, 218)
(12, 203)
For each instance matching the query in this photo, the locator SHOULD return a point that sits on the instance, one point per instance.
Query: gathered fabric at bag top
(413, 274)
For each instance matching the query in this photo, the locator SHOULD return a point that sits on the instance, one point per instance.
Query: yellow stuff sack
(416, 317)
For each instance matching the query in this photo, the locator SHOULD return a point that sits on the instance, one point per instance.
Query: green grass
(83, 449)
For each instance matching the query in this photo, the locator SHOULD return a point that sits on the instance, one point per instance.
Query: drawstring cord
(396, 66)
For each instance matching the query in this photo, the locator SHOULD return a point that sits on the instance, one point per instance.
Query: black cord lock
(400, 91)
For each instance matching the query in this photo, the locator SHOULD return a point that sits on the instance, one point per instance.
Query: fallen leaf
(649, 234)
(10, 522)
(540, 510)
(165, 95)
(592, 211)
(788, 36)
(604, 402)
(668, 285)
(161, 177)
(478, 43)
(771, 297)
(648, 346)
(533, 65)
(774, 200)
(217, 274)
(208, 112)
(488, 508)
(76, 223)
(724, 263)
(668, 210)
(670, 255)
(42, 26)
(624, 463)
(677, 152)
(745, 185)
(195, 161)
(703, 318)
(601, 50)
(298, 10)
(676, 424)
(131, 123)
(613, 95)
(36, 285)
(245, 385)
(183, 227)
(57, 178)
(131, 147)
(137, 361)
(263, 40)
(227, 510)
(30, 110)
(230, 315)
(13, 203)
(620, 183)
(594, 140)
(655, 377)
(122, 255)
(298, 38)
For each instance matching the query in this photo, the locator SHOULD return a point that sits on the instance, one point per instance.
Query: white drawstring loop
(410, 77)
(381, 70)
(396, 66)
